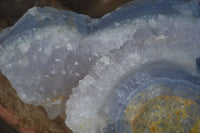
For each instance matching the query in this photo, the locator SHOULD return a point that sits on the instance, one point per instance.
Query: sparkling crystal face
(109, 62)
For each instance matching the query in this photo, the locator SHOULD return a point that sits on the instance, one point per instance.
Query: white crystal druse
(106, 61)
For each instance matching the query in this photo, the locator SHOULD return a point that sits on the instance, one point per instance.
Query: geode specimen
(152, 82)
(48, 51)
(140, 61)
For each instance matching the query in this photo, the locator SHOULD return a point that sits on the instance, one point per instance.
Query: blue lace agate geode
(49, 51)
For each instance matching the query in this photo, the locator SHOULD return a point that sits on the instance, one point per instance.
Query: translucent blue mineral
(106, 61)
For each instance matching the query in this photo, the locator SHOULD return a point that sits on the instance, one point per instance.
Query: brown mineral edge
(25, 118)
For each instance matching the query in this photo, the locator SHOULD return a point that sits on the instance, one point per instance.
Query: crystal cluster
(48, 52)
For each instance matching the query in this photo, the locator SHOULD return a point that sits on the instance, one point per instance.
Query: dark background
(12, 10)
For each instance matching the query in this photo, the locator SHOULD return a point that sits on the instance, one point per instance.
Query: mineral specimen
(141, 51)
(36, 55)
(48, 51)
(156, 61)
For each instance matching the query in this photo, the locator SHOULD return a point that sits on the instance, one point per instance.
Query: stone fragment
(158, 57)
(48, 52)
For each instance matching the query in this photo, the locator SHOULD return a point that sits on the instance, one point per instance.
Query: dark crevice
(6, 128)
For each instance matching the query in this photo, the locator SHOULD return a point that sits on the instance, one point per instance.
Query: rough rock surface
(26, 118)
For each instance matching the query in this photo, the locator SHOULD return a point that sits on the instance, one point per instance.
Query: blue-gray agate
(144, 46)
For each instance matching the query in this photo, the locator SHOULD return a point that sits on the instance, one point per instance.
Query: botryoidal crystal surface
(148, 46)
